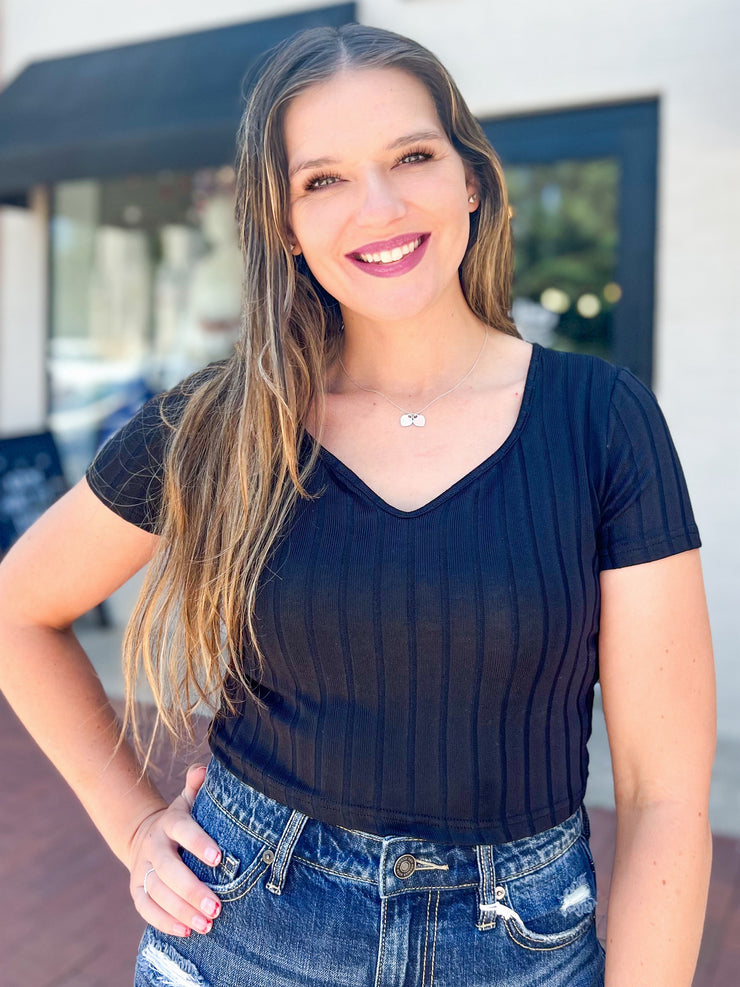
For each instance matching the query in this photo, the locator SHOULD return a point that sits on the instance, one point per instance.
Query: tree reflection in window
(566, 240)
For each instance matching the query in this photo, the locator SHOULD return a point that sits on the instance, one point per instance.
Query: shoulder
(128, 470)
(577, 369)
(606, 403)
(582, 384)
(162, 414)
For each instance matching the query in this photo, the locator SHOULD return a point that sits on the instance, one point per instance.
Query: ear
(295, 247)
(472, 188)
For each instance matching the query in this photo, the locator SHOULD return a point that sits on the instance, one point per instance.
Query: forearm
(53, 688)
(658, 895)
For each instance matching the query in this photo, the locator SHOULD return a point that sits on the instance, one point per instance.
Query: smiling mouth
(390, 256)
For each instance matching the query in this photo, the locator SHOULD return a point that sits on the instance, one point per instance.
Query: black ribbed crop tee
(430, 672)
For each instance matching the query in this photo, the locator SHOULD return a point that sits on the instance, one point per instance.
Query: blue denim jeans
(307, 903)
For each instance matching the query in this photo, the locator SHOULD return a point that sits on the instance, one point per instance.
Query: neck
(409, 360)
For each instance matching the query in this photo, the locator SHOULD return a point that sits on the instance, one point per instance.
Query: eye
(415, 156)
(320, 181)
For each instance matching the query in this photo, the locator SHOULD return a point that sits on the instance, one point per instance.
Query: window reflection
(566, 241)
(146, 287)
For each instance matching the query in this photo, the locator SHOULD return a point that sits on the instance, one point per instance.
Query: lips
(390, 258)
(377, 247)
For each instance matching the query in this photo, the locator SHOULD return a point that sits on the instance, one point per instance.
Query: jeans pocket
(245, 857)
(553, 905)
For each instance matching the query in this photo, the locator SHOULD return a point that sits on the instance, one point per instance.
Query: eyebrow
(421, 135)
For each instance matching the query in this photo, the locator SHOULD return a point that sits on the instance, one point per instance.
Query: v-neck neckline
(349, 475)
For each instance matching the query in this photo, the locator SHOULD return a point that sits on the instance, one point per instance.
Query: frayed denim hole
(168, 968)
(578, 899)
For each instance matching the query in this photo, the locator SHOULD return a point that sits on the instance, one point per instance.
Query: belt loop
(486, 887)
(284, 851)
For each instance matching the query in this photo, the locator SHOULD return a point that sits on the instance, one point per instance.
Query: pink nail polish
(210, 907)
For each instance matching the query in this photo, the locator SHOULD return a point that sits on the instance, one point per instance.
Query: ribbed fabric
(431, 672)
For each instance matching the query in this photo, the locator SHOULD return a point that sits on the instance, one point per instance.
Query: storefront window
(146, 282)
(566, 238)
(146, 287)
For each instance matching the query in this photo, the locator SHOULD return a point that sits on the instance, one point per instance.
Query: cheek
(318, 222)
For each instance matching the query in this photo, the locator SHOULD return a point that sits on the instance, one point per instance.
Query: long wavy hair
(232, 472)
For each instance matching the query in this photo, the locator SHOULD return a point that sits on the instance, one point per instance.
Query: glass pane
(146, 287)
(566, 240)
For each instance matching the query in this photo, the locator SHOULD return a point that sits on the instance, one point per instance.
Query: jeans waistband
(395, 864)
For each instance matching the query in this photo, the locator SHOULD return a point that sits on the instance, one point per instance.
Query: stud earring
(473, 197)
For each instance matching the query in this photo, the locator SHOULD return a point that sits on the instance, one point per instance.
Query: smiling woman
(380, 181)
(398, 629)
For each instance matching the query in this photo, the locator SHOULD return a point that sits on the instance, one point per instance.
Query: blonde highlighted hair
(232, 472)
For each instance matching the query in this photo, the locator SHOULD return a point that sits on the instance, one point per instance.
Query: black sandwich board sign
(31, 479)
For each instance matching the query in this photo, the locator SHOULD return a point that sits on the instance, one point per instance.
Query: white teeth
(389, 256)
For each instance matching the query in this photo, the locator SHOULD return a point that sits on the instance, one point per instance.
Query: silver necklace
(417, 417)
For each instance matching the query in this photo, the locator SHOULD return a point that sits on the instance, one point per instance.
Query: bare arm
(74, 557)
(657, 680)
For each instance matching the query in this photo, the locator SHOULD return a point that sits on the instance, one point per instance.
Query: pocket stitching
(519, 934)
(233, 889)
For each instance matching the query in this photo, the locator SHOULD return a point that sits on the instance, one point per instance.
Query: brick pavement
(68, 921)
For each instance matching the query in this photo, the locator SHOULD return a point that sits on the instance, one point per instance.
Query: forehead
(357, 109)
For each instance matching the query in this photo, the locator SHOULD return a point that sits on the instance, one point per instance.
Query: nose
(379, 200)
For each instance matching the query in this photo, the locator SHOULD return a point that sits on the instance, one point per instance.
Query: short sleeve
(646, 512)
(127, 472)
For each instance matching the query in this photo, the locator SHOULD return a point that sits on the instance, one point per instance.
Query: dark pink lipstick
(390, 268)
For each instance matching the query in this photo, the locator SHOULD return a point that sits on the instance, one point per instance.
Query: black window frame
(627, 131)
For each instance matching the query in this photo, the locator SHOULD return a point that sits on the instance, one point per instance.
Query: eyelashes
(324, 179)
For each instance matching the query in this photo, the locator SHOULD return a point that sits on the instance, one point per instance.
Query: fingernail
(210, 907)
(213, 857)
(181, 930)
(202, 924)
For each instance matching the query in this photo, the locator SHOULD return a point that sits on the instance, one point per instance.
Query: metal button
(500, 893)
(405, 866)
(268, 856)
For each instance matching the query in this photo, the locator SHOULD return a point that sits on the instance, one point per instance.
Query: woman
(390, 541)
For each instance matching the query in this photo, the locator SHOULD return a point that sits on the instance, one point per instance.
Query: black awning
(169, 103)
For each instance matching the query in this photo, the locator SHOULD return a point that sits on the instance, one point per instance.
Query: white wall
(532, 55)
(23, 294)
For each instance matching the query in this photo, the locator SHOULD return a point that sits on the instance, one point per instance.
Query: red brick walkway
(67, 920)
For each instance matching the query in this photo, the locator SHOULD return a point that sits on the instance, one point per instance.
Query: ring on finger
(150, 871)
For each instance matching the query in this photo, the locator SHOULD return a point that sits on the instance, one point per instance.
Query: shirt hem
(651, 550)
(391, 822)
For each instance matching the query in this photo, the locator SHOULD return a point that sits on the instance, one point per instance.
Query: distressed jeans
(307, 903)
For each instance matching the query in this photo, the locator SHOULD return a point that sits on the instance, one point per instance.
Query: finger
(155, 915)
(194, 778)
(179, 829)
(173, 873)
(183, 830)
(176, 907)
